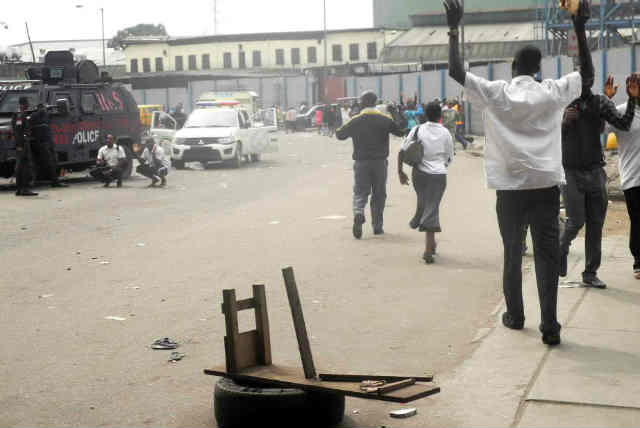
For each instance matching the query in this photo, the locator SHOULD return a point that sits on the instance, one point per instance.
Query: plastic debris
(356, 412)
(404, 413)
(105, 263)
(45, 296)
(175, 357)
(112, 318)
(332, 217)
(140, 244)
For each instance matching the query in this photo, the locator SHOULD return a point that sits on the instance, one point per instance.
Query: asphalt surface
(156, 262)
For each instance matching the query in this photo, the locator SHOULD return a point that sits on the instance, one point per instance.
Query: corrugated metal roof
(429, 36)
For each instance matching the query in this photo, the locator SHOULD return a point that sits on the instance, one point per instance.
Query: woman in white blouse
(430, 176)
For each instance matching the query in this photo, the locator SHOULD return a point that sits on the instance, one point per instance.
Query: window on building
(295, 56)
(206, 61)
(372, 50)
(192, 62)
(146, 65)
(227, 60)
(354, 52)
(134, 66)
(179, 64)
(159, 64)
(242, 60)
(337, 53)
(279, 56)
(257, 59)
(312, 55)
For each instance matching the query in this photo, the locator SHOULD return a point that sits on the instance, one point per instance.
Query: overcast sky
(61, 19)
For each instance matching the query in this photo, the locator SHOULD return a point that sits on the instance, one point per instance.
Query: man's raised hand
(610, 88)
(454, 12)
(633, 86)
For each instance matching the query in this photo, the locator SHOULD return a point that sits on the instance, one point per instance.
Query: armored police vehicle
(83, 105)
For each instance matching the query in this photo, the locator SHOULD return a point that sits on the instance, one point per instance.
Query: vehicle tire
(128, 169)
(178, 164)
(255, 157)
(243, 405)
(237, 161)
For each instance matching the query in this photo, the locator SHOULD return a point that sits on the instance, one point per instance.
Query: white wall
(267, 48)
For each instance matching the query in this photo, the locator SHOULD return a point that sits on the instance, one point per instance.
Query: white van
(218, 135)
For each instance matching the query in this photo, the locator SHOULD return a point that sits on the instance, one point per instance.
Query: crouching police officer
(42, 146)
(21, 131)
(154, 164)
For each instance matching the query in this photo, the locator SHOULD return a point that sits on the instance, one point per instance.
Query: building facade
(271, 51)
(396, 13)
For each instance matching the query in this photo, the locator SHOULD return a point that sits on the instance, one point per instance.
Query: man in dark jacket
(369, 131)
(22, 133)
(585, 195)
(42, 146)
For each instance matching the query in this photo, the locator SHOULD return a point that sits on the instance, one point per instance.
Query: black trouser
(586, 200)
(107, 174)
(45, 159)
(632, 196)
(150, 171)
(539, 208)
(24, 167)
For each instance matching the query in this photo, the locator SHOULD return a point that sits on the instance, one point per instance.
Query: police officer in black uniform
(21, 131)
(42, 146)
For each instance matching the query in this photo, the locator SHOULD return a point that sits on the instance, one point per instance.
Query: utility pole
(325, 74)
(215, 17)
(462, 36)
(104, 51)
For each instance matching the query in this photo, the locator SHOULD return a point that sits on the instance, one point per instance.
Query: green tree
(139, 30)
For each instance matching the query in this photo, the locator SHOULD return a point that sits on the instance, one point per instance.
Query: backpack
(415, 152)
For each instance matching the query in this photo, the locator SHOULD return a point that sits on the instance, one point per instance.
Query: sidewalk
(591, 380)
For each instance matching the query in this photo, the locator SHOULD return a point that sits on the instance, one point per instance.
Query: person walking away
(523, 162)
(154, 163)
(629, 166)
(449, 119)
(430, 176)
(369, 131)
(585, 195)
(42, 146)
(319, 117)
(291, 117)
(22, 134)
(331, 121)
(111, 161)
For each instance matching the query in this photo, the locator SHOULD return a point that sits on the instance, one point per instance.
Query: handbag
(414, 154)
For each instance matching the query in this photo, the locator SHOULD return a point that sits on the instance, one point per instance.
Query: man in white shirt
(629, 166)
(154, 164)
(523, 162)
(111, 162)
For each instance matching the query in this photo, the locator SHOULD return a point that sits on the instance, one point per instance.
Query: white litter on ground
(405, 413)
(115, 318)
(332, 217)
(45, 296)
(105, 263)
(140, 244)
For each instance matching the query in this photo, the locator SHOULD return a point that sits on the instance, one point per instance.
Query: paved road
(159, 259)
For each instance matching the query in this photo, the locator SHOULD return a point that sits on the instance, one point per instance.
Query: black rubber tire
(237, 161)
(178, 164)
(255, 157)
(245, 406)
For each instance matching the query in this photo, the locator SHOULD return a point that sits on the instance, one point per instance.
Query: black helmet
(368, 99)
